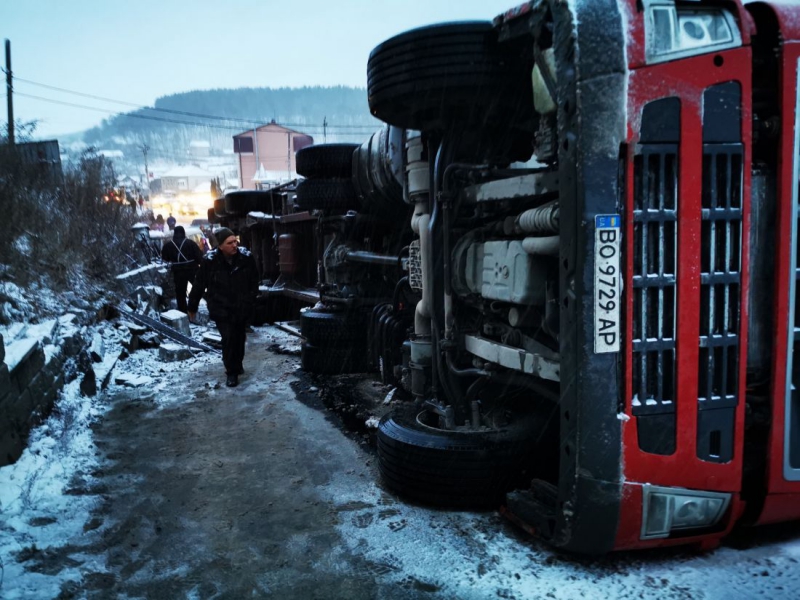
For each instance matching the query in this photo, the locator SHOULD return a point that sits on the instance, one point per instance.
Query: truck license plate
(607, 241)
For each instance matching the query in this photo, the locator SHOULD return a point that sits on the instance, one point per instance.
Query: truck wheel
(326, 194)
(451, 468)
(246, 201)
(334, 360)
(325, 160)
(262, 313)
(450, 74)
(322, 328)
(255, 249)
(237, 205)
(219, 208)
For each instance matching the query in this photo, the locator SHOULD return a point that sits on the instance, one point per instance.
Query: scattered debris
(212, 339)
(178, 321)
(390, 396)
(132, 380)
(173, 352)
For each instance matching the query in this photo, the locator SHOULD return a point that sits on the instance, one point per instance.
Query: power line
(139, 106)
(131, 115)
(177, 112)
(306, 128)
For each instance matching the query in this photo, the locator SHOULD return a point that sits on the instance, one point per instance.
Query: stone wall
(36, 361)
(34, 366)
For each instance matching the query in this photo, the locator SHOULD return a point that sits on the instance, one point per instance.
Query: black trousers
(233, 337)
(182, 279)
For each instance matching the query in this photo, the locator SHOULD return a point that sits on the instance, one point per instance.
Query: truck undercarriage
(559, 246)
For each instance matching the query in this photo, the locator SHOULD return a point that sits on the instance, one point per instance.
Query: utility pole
(288, 156)
(145, 148)
(324, 130)
(9, 92)
(255, 151)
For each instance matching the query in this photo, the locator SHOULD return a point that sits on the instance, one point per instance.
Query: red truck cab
(686, 128)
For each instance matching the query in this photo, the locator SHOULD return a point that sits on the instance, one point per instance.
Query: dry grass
(60, 232)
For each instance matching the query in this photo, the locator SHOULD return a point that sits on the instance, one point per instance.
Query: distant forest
(216, 115)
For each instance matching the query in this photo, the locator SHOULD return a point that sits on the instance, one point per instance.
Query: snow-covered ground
(36, 510)
(465, 555)
(38, 507)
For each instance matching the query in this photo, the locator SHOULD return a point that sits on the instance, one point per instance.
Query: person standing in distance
(184, 256)
(171, 222)
(228, 279)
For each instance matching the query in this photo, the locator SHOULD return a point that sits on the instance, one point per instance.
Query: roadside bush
(59, 230)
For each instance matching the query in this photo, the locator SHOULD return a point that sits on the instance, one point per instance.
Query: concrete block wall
(33, 369)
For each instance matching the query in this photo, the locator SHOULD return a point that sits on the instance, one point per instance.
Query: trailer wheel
(255, 249)
(246, 201)
(334, 360)
(263, 313)
(219, 208)
(236, 204)
(448, 468)
(449, 74)
(322, 328)
(325, 160)
(326, 194)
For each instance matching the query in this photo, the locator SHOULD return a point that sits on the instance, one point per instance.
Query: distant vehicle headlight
(680, 32)
(665, 510)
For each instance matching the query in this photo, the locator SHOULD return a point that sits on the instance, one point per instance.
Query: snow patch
(19, 350)
(36, 512)
(132, 380)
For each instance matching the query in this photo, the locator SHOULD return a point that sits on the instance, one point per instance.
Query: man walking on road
(184, 256)
(228, 279)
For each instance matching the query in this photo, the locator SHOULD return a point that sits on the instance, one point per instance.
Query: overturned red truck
(575, 245)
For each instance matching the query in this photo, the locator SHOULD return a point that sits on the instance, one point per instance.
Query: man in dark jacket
(184, 256)
(229, 280)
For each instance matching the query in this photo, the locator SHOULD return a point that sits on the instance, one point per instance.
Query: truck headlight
(679, 32)
(665, 510)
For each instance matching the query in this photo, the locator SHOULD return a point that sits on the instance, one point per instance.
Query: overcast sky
(138, 50)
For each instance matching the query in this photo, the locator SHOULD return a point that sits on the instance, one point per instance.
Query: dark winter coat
(230, 290)
(183, 253)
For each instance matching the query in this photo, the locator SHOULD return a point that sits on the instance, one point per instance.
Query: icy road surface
(181, 488)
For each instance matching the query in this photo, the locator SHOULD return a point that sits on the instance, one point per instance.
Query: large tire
(255, 249)
(262, 312)
(219, 208)
(447, 75)
(322, 328)
(334, 360)
(326, 194)
(447, 468)
(325, 160)
(379, 190)
(246, 201)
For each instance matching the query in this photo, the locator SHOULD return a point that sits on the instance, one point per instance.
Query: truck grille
(654, 257)
(718, 367)
(720, 260)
